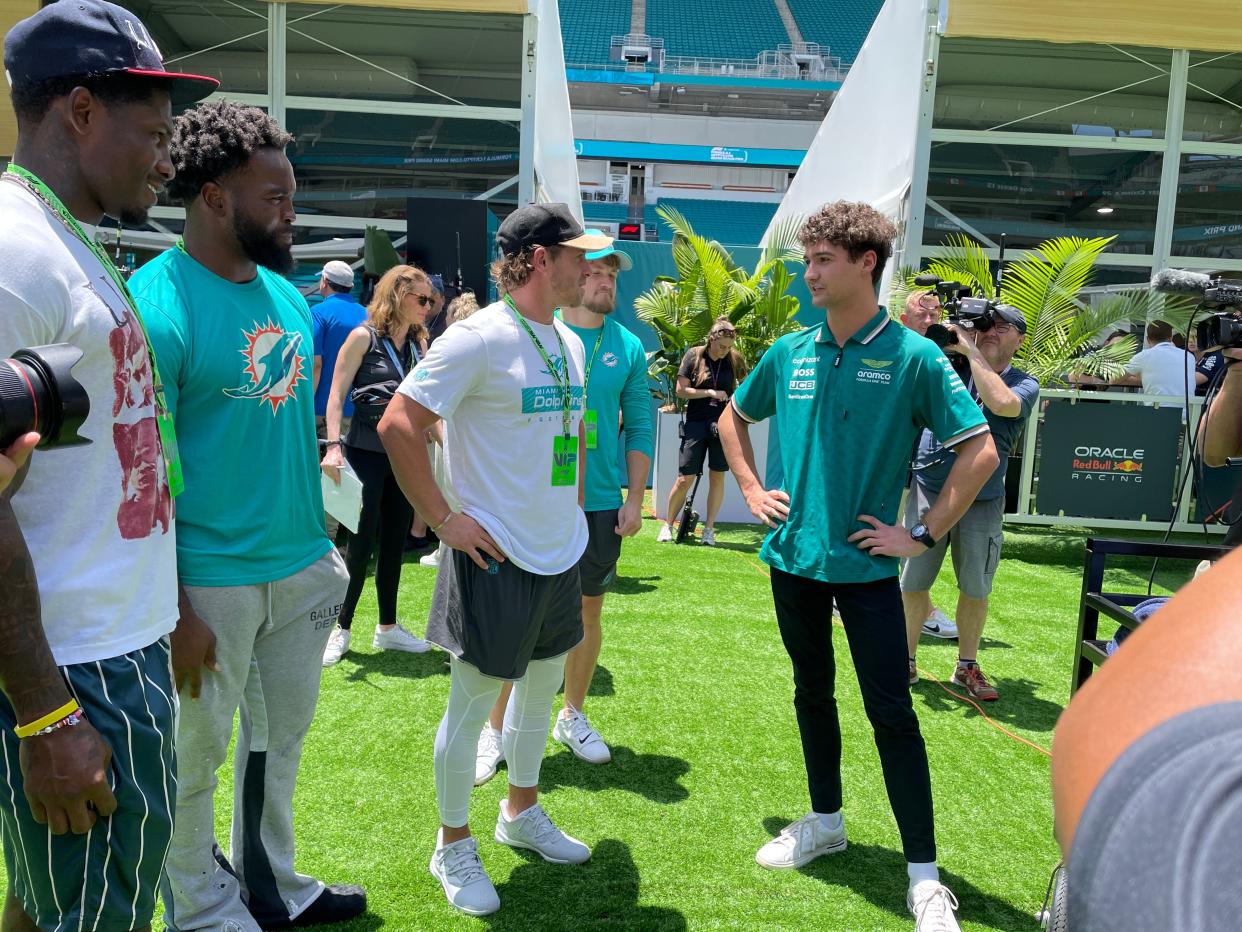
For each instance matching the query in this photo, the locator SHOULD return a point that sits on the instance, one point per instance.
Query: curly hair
(462, 307)
(383, 313)
(510, 272)
(216, 138)
(856, 227)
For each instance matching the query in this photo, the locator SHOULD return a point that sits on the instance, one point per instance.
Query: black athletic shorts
(700, 441)
(500, 621)
(598, 566)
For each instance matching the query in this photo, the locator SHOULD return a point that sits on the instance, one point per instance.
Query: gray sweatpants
(270, 640)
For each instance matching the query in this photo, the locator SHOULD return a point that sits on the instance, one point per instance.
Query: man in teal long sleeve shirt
(618, 403)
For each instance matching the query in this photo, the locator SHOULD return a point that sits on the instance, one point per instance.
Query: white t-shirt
(1165, 370)
(502, 411)
(98, 518)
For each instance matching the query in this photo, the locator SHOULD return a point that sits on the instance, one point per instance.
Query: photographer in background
(707, 377)
(1006, 396)
(923, 309)
(1220, 429)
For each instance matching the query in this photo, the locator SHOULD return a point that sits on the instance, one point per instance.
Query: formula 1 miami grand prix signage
(1108, 460)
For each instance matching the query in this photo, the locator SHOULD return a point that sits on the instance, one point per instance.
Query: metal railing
(803, 61)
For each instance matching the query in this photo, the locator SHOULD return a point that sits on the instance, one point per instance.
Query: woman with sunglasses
(707, 378)
(372, 362)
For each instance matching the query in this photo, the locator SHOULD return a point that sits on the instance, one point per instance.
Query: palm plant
(710, 284)
(1062, 331)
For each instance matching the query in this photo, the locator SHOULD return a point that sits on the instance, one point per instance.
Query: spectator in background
(707, 377)
(922, 310)
(333, 319)
(1161, 368)
(462, 307)
(437, 318)
(372, 363)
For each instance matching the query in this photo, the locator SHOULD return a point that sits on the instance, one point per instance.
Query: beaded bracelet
(73, 718)
(52, 718)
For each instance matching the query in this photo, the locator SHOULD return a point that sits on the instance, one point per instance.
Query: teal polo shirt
(847, 418)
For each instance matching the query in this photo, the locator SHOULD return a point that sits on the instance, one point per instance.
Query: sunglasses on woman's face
(728, 334)
(424, 300)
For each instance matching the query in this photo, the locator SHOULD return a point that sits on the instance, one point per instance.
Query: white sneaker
(666, 534)
(465, 882)
(800, 843)
(488, 756)
(430, 559)
(338, 647)
(709, 537)
(397, 638)
(940, 625)
(576, 733)
(534, 831)
(932, 905)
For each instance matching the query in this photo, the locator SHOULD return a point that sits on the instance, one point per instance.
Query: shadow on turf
(360, 667)
(879, 875)
(634, 585)
(1018, 704)
(602, 892)
(655, 776)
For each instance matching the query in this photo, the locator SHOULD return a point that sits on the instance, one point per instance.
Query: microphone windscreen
(926, 279)
(1178, 281)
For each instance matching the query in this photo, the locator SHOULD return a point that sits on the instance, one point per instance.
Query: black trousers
(875, 627)
(386, 517)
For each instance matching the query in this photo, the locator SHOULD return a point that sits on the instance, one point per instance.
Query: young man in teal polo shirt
(616, 390)
(850, 397)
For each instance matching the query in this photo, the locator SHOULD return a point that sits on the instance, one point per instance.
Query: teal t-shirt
(847, 418)
(616, 388)
(236, 365)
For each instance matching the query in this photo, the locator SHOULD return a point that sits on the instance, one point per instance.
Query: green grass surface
(694, 695)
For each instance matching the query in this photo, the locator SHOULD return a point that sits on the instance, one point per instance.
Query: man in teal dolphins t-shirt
(261, 584)
(617, 403)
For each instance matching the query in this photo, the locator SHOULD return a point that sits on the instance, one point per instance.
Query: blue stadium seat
(716, 28)
(730, 223)
(587, 28)
(840, 25)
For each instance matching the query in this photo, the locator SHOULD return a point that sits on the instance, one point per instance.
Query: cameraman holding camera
(1006, 396)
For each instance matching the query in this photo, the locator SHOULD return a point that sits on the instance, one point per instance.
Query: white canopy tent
(866, 147)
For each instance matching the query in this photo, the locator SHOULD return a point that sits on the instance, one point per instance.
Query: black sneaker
(337, 903)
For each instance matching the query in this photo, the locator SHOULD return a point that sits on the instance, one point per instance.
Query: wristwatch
(920, 533)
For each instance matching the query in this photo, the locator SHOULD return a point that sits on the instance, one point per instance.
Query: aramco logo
(1107, 464)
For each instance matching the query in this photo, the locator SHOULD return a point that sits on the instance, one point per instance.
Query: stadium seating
(716, 28)
(730, 223)
(841, 25)
(587, 28)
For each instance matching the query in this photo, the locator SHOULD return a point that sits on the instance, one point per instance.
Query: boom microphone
(1179, 281)
(925, 280)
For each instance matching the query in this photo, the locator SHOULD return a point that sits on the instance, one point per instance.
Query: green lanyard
(566, 401)
(168, 437)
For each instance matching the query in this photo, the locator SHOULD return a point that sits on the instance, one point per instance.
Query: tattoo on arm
(29, 676)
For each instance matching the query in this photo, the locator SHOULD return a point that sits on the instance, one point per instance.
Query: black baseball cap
(87, 37)
(546, 225)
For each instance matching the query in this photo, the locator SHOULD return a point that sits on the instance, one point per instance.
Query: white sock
(922, 872)
(830, 821)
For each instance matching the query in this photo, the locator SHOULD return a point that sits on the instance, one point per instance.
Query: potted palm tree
(681, 310)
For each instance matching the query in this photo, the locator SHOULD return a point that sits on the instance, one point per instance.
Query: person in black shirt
(374, 359)
(707, 378)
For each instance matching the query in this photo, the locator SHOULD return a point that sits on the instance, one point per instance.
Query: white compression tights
(471, 697)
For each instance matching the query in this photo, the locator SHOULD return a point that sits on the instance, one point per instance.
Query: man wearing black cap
(1006, 395)
(87, 557)
(507, 605)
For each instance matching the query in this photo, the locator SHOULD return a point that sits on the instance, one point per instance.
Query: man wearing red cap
(87, 558)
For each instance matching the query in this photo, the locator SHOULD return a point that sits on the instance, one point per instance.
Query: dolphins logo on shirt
(273, 364)
(557, 369)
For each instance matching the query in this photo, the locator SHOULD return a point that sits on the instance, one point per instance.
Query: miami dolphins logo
(609, 359)
(557, 368)
(272, 363)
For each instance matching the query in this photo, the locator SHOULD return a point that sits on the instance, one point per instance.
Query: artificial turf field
(694, 695)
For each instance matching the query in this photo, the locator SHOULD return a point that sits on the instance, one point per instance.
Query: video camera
(38, 392)
(1219, 331)
(965, 310)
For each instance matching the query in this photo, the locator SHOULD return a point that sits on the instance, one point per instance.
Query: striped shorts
(107, 879)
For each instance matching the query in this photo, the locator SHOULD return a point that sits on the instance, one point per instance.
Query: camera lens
(941, 335)
(38, 392)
